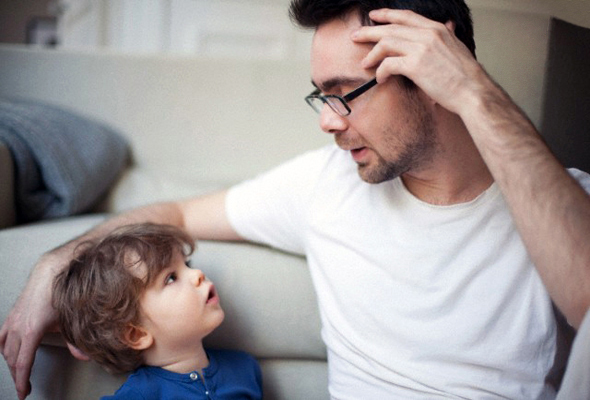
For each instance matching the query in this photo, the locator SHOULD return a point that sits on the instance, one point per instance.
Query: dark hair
(313, 13)
(97, 295)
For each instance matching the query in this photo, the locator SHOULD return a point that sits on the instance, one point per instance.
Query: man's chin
(375, 175)
(369, 176)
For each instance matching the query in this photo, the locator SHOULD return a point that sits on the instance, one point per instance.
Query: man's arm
(551, 211)
(32, 315)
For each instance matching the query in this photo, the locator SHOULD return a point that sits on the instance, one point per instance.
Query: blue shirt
(230, 375)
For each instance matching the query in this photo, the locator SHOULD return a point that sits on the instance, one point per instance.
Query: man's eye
(170, 278)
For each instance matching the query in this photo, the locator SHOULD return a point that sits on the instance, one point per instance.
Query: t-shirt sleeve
(272, 208)
(582, 177)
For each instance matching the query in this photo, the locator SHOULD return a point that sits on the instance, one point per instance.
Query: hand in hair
(425, 51)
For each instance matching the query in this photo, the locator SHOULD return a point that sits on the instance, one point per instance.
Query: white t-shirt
(417, 301)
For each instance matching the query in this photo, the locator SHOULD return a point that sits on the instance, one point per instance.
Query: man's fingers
(374, 34)
(401, 17)
(392, 41)
(389, 67)
(24, 364)
(19, 349)
(10, 352)
(387, 48)
(22, 393)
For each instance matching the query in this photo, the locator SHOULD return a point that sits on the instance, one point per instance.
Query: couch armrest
(7, 210)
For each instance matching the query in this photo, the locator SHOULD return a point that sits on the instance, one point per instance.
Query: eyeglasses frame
(317, 94)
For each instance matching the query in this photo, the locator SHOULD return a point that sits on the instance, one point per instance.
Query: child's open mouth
(212, 297)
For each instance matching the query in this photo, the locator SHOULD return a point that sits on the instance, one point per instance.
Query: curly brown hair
(97, 295)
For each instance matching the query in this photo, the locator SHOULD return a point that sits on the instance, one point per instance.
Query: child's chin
(221, 316)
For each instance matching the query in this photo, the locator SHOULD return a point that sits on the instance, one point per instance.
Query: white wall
(225, 28)
(511, 35)
(512, 43)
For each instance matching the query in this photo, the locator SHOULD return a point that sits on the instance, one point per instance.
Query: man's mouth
(357, 150)
(359, 153)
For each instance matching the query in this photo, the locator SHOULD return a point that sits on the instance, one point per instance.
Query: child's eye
(170, 278)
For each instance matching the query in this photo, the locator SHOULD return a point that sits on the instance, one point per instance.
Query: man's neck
(456, 174)
(445, 192)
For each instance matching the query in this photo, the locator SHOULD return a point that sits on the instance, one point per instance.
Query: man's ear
(450, 25)
(137, 337)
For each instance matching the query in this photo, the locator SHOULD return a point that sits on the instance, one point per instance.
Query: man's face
(390, 130)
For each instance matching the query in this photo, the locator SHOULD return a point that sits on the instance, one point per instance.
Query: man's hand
(425, 51)
(29, 319)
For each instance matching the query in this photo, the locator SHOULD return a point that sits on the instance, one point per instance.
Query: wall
(512, 38)
(512, 35)
(512, 46)
(233, 28)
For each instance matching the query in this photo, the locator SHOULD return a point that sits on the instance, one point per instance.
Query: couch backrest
(213, 120)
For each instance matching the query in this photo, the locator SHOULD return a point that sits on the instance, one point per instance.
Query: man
(436, 269)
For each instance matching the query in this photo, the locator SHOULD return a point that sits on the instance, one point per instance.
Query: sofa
(193, 126)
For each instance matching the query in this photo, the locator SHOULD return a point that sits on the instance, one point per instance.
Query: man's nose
(331, 121)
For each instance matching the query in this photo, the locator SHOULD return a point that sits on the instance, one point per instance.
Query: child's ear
(138, 338)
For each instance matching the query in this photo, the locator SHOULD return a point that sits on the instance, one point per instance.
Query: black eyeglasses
(339, 104)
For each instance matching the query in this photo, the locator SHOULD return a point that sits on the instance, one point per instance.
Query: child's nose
(199, 277)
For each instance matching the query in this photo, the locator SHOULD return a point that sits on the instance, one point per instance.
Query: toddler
(131, 303)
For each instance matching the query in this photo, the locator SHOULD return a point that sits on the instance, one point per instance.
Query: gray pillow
(64, 162)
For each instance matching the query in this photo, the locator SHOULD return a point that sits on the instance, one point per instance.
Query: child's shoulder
(232, 362)
(231, 356)
(237, 372)
(132, 388)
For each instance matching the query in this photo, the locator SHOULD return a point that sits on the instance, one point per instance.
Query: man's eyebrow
(331, 83)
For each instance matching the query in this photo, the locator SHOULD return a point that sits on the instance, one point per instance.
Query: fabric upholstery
(64, 162)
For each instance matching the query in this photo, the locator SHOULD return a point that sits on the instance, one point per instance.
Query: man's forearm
(550, 209)
(202, 217)
(163, 213)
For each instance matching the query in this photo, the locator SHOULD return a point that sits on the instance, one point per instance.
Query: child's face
(180, 306)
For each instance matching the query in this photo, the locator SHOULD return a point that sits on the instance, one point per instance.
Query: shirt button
(194, 376)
